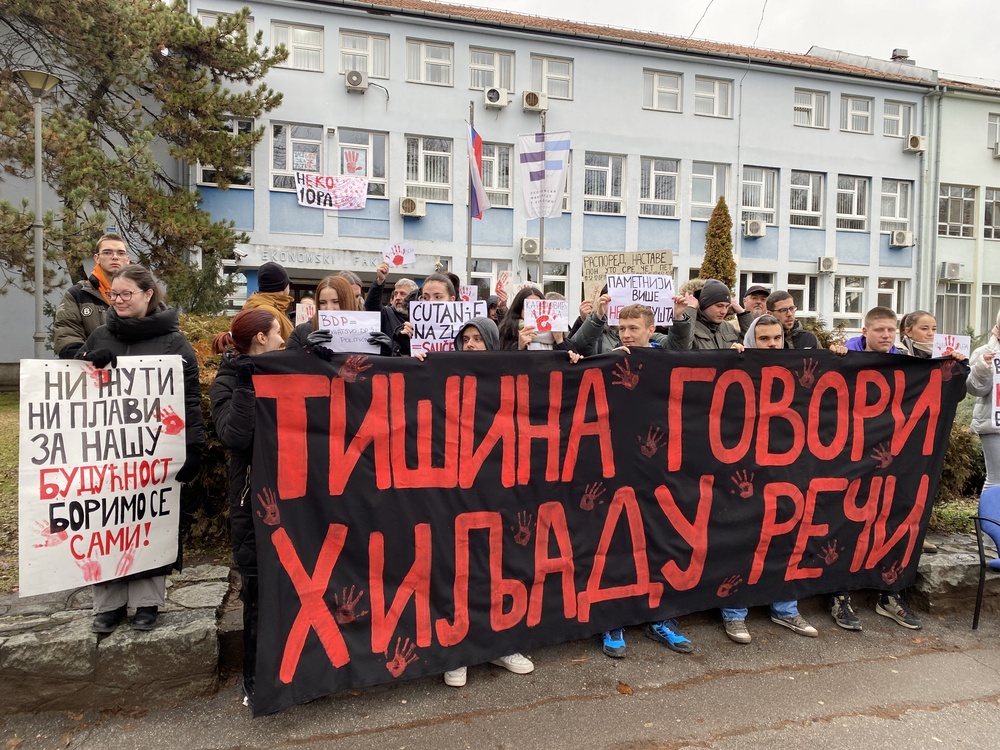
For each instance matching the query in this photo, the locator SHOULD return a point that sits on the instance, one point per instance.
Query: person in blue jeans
(765, 332)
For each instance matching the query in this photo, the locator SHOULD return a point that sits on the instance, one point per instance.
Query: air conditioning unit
(495, 98)
(529, 247)
(534, 101)
(951, 271)
(412, 207)
(827, 264)
(915, 144)
(901, 239)
(356, 81)
(754, 228)
(996, 150)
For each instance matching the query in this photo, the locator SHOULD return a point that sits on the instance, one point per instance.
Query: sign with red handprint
(468, 293)
(304, 313)
(355, 162)
(331, 192)
(947, 343)
(547, 315)
(97, 493)
(399, 254)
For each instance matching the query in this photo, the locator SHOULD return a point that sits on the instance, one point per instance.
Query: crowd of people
(120, 310)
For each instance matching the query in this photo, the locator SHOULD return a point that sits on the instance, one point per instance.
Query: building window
(712, 97)
(760, 194)
(849, 301)
(294, 148)
(552, 76)
(991, 307)
(895, 206)
(429, 62)
(658, 187)
(991, 222)
(485, 274)
(661, 91)
(555, 279)
(956, 211)
(810, 108)
(210, 18)
(954, 301)
(363, 154)
(304, 45)
(852, 202)
(892, 294)
(855, 114)
(806, 199)
(207, 174)
(803, 288)
(708, 184)
(602, 183)
(496, 173)
(897, 119)
(489, 68)
(368, 53)
(569, 181)
(752, 278)
(992, 131)
(428, 168)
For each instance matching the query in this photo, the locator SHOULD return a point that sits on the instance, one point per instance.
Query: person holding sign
(332, 293)
(437, 288)
(397, 311)
(984, 384)
(234, 404)
(140, 323)
(593, 335)
(517, 336)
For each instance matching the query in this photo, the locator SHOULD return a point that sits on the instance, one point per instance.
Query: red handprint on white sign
(351, 162)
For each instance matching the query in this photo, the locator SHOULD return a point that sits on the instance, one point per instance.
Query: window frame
(551, 275)
(541, 75)
(953, 306)
(209, 18)
(858, 193)
(814, 197)
(700, 210)
(819, 103)
(369, 53)
(765, 213)
(893, 295)
(804, 288)
(651, 86)
(495, 68)
(234, 130)
(990, 295)
(991, 213)
(897, 221)
(843, 291)
(500, 196)
(948, 202)
(490, 277)
(722, 92)
(904, 117)
(647, 200)
(610, 202)
(291, 140)
(378, 185)
(292, 63)
(421, 76)
(848, 112)
(420, 187)
(992, 130)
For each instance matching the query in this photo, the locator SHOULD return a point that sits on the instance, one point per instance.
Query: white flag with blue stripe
(544, 161)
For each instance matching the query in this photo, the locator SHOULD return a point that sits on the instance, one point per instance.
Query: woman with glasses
(140, 323)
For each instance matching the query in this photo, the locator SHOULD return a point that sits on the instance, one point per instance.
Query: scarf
(103, 285)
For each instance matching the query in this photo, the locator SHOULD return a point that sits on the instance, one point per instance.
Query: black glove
(191, 466)
(244, 371)
(381, 340)
(318, 337)
(101, 358)
(323, 353)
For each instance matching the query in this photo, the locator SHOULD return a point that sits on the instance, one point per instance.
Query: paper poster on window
(99, 453)
(354, 162)
(351, 330)
(435, 324)
(653, 290)
(307, 161)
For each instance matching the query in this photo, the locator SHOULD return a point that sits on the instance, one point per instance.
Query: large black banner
(416, 517)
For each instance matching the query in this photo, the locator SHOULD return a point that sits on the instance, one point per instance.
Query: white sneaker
(515, 663)
(456, 677)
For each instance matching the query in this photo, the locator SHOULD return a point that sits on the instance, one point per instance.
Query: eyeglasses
(114, 253)
(783, 310)
(123, 296)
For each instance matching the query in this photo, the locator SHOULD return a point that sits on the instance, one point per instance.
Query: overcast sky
(956, 37)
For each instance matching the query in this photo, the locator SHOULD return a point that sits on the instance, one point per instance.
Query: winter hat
(714, 291)
(492, 301)
(272, 277)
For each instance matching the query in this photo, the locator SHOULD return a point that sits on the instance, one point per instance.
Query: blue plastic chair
(987, 522)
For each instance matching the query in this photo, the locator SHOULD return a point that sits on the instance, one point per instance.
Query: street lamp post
(40, 84)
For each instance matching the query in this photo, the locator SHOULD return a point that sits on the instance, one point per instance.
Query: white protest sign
(399, 255)
(304, 313)
(653, 290)
(100, 449)
(339, 192)
(468, 293)
(946, 343)
(996, 391)
(546, 315)
(598, 266)
(435, 324)
(351, 330)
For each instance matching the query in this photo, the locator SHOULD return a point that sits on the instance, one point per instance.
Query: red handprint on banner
(729, 586)
(269, 503)
(351, 370)
(949, 369)
(882, 455)
(807, 378)
(344, 607)
(891, 574)
(829, 553)
(405, 655)
(126, 562)
(351, 165)
(91, 570)
(654, 441)
(627, 378)
(100, 375)
(172, 424)
(744, 483)
(50, 539)
(523, 534)
(592, 493)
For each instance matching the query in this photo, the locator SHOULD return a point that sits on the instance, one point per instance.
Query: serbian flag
(478, 201)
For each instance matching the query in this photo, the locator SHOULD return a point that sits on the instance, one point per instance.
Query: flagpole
(468, 213)
(541, 227)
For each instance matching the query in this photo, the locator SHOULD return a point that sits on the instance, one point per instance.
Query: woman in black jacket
(233, 403)
(139, 323)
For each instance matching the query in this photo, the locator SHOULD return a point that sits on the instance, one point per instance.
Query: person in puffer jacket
(980, 385)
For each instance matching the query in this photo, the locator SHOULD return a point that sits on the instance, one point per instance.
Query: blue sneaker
(614, 643)
(662, 631)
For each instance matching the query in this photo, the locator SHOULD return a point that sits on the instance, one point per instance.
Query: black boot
(145, 618)
(106, 622)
